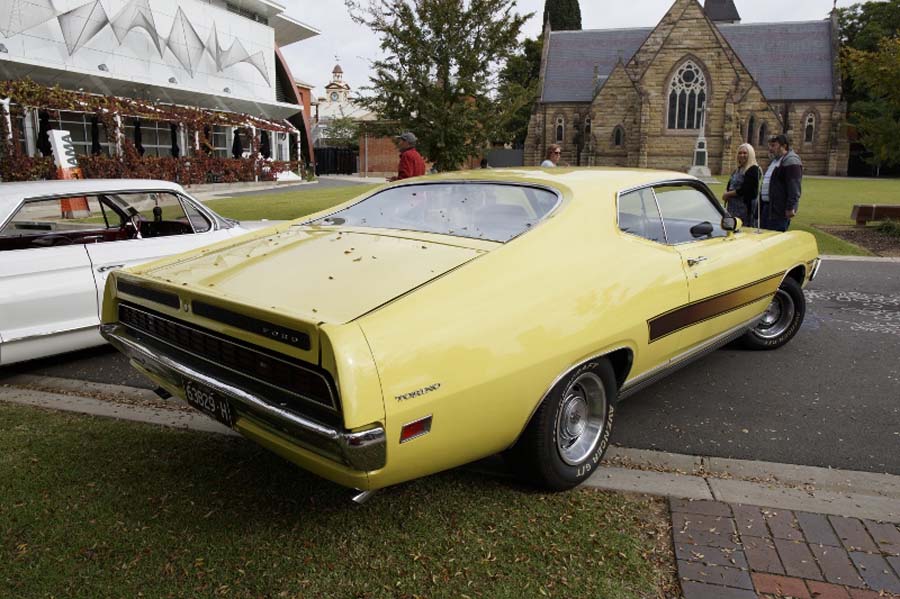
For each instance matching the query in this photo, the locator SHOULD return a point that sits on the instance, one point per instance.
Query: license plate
(209, 402)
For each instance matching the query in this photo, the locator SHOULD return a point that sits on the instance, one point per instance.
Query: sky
(353, 46)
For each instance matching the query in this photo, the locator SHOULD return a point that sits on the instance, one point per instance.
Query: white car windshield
(491, 211)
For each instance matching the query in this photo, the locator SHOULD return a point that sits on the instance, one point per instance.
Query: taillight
(416, 428)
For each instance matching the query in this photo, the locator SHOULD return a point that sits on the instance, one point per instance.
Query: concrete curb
(84, 388)
(786, 486)
(859, 258)
(769, 484)
(96, 407)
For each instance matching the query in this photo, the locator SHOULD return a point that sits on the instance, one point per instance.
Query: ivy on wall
(199, 168)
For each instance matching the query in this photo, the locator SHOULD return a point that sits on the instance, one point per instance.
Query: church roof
(573, 54)
(721, 10)
(790, 61)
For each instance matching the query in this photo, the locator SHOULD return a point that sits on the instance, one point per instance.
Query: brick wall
(382, 156)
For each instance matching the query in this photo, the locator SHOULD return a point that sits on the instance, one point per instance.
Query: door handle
(696, 261)
(110, 267)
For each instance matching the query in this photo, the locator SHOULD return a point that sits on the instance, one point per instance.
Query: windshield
(492, 211)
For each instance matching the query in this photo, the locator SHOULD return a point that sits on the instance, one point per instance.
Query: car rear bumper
(363, 451)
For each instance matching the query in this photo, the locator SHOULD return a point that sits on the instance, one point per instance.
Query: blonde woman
(553, 153)
(743, 186)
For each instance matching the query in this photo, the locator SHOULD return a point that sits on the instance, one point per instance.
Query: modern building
(643, 97)
(207, 69)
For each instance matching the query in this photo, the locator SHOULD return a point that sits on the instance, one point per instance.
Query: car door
(727, 282)
(162, 223)
(657, 278)
(48, 299)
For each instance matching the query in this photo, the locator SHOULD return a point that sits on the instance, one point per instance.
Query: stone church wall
(635, 98)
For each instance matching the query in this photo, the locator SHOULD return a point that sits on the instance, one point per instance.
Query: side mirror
(703, 229)
(732, 223)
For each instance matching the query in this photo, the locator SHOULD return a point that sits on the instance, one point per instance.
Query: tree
(875, 73)
(564, 15)
(343, 131)
(519, 81)
(439, 78)
(863, 26)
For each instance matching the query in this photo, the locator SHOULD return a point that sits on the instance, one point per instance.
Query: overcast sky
(312, 60)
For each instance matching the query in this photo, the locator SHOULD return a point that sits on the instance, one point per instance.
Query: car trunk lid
(321, 274)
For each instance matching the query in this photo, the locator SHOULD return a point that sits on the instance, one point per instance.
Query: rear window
(491, 211)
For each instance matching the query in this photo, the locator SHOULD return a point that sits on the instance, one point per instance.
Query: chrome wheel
(778, 316)
(580, 419)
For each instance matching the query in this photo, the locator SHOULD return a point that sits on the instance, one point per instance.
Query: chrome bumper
(815, 269)
(363, 450)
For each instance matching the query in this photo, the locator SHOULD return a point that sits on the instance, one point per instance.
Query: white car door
(168, 224)
(48, 298)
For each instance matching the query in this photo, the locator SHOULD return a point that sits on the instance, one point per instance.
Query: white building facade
(216, 56)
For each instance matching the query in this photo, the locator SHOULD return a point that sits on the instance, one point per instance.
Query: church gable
(692, 35)
(615, 113)
(654, 42)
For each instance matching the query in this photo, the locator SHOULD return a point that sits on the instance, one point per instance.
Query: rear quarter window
(491, 211)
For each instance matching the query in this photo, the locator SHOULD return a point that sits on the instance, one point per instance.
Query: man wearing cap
(781, 185)
(411, 162)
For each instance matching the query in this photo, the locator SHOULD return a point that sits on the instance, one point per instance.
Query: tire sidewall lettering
(581, 471)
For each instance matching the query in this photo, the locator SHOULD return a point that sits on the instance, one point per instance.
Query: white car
(60, 239)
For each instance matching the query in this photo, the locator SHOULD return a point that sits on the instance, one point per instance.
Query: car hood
(319, 274)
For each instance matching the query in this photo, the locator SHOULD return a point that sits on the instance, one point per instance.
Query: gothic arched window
(687, 97)
(560, 129)
(587, 127)
(809, 128)
(763, 134)
(618, 136)
(751, 125)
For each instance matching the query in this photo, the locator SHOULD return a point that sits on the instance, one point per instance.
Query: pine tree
(564, 15)
(439, 76)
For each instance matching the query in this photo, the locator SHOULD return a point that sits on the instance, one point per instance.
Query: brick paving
(728, 551)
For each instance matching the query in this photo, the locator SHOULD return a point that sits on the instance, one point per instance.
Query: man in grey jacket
(781, 185)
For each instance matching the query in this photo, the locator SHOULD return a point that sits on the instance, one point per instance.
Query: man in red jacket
(411, 162)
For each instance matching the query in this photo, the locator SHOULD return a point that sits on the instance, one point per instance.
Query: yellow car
(443, 319)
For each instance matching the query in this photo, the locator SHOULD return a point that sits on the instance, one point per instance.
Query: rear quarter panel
(478, 348)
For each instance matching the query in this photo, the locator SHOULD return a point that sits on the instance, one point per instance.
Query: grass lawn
(824, 202)
(96, 508)
(286, 206)
(829, 202)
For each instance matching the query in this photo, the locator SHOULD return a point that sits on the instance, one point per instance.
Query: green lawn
(286, 206)
(824, 202)
(99, 508)
(830, 201)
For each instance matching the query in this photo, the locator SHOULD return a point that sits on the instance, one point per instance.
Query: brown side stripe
(697, 312)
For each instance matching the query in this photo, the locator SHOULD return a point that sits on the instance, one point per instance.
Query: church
(643, 97)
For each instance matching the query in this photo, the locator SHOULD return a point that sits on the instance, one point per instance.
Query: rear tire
(781, 320)
(569, 433)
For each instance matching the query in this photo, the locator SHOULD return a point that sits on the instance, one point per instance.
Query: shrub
(890, 227)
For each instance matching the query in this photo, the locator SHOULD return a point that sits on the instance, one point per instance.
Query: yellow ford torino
(443, 319)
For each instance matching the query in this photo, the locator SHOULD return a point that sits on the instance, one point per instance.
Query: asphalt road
(829, 398)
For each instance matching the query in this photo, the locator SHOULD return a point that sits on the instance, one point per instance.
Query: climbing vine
(202, 167)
